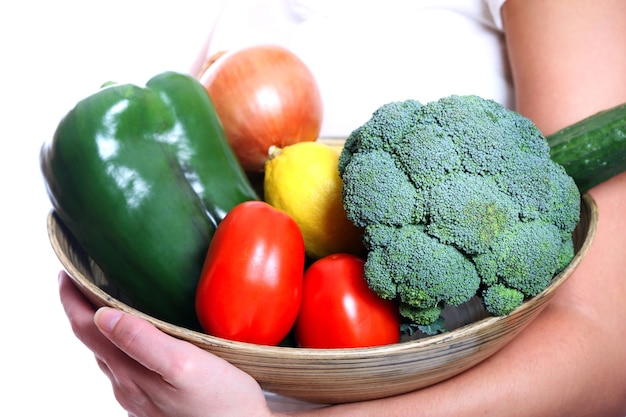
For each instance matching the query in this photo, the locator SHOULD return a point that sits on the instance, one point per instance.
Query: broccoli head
(455, 197)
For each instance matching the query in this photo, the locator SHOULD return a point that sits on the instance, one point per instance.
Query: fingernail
(106, 318)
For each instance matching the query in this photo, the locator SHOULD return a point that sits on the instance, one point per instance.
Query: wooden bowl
(342, 375)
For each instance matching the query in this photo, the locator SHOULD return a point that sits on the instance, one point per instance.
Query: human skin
(568, 61)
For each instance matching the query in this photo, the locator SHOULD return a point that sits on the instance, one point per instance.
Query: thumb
(137, 338)
(179, 363)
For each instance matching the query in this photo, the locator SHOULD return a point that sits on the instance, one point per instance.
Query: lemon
(303, 181)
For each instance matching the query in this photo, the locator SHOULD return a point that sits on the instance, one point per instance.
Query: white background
(52, 54)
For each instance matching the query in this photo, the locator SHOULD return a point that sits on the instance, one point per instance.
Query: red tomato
(339, 310)
(251, 283)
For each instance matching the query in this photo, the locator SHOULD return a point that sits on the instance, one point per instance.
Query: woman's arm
(568, 58)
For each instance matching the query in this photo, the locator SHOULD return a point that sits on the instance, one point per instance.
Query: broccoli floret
(423, 273)
(428, 156)
(470, 212)
(484, 132)
(500, 300)
(457, 196)
(389, 124)
(380, 192)
(525, 257)
(421, 316)
(566, 254)
(542, 190)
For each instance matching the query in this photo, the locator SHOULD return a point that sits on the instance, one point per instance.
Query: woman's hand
(154, 374)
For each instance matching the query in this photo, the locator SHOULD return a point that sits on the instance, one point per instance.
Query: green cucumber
(593, 149)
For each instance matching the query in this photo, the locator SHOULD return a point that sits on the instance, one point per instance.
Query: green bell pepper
(141, 177)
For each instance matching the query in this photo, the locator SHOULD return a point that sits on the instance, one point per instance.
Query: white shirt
(367, 53)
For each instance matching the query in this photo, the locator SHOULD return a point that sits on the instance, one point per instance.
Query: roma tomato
(251, 283)
(339, 310)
